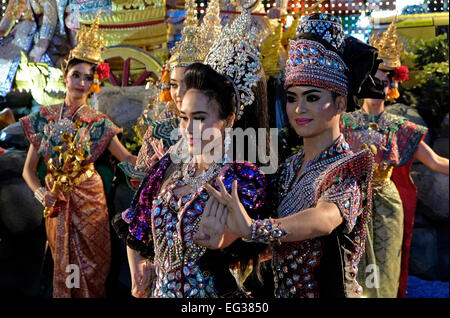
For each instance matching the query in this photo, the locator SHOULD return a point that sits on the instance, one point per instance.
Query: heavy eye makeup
(311, 96)
(77, 75)
(173, 85)
(201, 116)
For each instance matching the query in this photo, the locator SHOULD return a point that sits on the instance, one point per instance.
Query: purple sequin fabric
(169, 223)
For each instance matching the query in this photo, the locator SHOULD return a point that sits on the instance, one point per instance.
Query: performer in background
(69, 138)
(395, 142)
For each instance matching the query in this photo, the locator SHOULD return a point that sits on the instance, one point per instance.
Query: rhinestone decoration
(311, 64)
(331, 176)
(235, 54)
(325, 26)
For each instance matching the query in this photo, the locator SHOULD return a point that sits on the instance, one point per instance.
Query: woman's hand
(50, 198)
(211, 232)
(142, 275)
(238, 220)
(158, 147)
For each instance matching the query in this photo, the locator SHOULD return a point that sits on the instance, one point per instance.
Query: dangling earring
(227, 143)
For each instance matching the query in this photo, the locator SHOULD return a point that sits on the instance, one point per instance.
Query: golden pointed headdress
(210, 28)
(187, 50)
(389, 47)
(89, 43)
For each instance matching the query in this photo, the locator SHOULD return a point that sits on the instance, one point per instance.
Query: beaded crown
(326, 26)
(310, 63)
(90, 43)
(235, 54)
(389, 47)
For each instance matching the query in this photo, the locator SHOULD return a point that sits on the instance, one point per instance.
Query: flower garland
(102, 71)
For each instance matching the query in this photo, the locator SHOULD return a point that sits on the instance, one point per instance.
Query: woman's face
(311, 110)
(385, 79)
(79, 80)
(177, 86)
(199, 113)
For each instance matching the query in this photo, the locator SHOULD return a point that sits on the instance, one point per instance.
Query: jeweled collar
(385, 122)
(337, 147)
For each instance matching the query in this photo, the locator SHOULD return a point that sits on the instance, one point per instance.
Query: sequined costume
(396, 141)
(324, 266)
(161, 227)
(79, 234)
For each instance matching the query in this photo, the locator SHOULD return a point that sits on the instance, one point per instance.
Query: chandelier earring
(227, 145)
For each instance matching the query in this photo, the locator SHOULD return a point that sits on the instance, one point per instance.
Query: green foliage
(429, 73)
(132, 142)
(434, 50)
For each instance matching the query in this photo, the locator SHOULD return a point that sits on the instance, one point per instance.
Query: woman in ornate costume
(324, 191)
(163, 119)
(396, 143)
(164, 215)
(69, 138)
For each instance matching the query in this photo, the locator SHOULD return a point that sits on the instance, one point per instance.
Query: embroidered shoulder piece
(386, 122)
(357, 168)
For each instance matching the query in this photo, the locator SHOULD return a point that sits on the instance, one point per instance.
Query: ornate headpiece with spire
(389, 47)
(89, 43)
(188, 49)
(235, 54)
(210, 28)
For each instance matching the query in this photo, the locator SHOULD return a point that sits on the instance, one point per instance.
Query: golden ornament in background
(389, 47)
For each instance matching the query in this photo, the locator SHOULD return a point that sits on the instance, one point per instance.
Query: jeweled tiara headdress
(235, 54)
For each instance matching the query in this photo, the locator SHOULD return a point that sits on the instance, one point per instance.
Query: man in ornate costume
(324, 191)
(69, 138)
(395, 142)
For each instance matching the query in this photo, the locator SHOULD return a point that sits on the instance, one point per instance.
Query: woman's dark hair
(212, 84)
(75, 61)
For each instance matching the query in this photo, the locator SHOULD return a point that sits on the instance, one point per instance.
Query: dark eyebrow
(310, 91)
(85, 74)
(195, 113)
